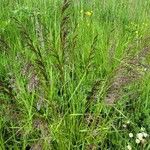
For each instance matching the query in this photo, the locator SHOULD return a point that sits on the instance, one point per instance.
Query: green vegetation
(74, 75)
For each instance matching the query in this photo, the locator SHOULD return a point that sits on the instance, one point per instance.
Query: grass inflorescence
(74, 75)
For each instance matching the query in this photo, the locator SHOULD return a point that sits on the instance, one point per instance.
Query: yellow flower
(88, 13)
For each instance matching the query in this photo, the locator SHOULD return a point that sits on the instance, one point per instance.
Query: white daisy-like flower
(140, 136)
(129, 147)
(131, 135)
(145, 134)
(137, 141)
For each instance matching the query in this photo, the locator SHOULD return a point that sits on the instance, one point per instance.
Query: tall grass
(74, 74)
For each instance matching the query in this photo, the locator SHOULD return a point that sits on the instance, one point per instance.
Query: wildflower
(88, 13)
(129, 147)
(145, 135)
(137, 141)
(124, 126)
(140, 136)
(131, 135)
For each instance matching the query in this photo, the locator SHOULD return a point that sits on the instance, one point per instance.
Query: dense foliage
(75, 75)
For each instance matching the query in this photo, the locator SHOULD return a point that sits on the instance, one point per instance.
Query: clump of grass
(28, 71)
(90, 58)
(53, 54)
(34, 48)
(130, 70)
(4, 44)
(39, 31)
(64, 28)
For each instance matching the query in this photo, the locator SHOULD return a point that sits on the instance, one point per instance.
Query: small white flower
(145, 134)
(131, 135)
(129, 147)
(137, 141)
(124, 126)
(140, 136)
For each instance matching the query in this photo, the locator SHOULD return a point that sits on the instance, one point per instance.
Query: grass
(74, 74)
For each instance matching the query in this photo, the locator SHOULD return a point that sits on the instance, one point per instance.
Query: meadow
(74, 75)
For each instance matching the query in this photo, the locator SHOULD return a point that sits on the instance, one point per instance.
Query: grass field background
(74, 75)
